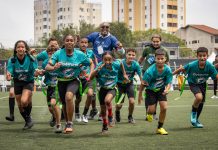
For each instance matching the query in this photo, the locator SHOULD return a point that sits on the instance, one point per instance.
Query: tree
(140, 36)
(122, 33)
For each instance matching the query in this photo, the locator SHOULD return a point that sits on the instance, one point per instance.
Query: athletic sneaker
(155, 117)
(162, 131)
(85, 118)
(58, 128)
(193, 118)
(52, 121)
(29, 124)
(10, 118)
(68, 128)
(100, 118)
(93, 113)
(131, 120)
(214, 96)
(117, 113)
(104, 129)
(198, 125)
(149, 118)
(78, 117)
(111, 121)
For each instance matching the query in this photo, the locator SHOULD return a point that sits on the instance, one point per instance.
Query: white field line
(4, 97)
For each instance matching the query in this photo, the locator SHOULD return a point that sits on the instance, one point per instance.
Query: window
(181, 17)
(130, 1)
(162, 15)
(194, 41)
(44, 26)
(44, 11)
(130, 18)
(162, 24)
(145, 16)
(146, 25)
(44, 19)
(172, 53)
(171, 16)
(216, 39)
(145, 7)
(172, 24)
(130, 10)
(162, 6)
(172, 7)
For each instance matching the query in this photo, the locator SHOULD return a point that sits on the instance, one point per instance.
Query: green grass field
(122, 136)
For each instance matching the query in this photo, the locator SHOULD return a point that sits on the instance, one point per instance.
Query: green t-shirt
(149, 54)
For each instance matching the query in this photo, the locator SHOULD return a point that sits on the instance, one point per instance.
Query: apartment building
(50, 15)
(140, 15)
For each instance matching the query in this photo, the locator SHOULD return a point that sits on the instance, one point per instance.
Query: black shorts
(153, 97)
(198, 88)
(67, 86)
(126, 89)
(85, 85)
(50, 94)
(20, 85)
(103, 92)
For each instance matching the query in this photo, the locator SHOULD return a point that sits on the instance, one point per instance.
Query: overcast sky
(17, 21)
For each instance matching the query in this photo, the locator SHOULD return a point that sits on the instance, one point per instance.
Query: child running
(198, 72)
(85, 84)
(69, 62)
(157, 78)
(106, 74)
(131, 67)
(22, 68)
(51, 81)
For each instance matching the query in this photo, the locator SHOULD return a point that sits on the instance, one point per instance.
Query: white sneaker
(78, 117)
(85, 119)
(214, 96)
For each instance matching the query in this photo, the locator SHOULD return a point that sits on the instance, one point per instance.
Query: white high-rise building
(50, 15)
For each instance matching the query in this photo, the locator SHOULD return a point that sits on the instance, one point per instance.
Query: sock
(11, 105)
(160, 125)
(194, 109)
(85, 111)
(76, 110)
(200, 107)
(110, 113)
(105, 122)
(23, 114)
(28, 109)
(129, 116)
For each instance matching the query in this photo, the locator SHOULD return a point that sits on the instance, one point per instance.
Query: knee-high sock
(200, 107)
(11, 105)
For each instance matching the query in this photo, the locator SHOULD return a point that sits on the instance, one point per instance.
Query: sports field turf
(122, 136)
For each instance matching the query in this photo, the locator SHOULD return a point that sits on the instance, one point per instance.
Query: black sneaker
(104, 129)
(131, 120)
(93, 113)
(52, 121)
(29, 124)
(117, 113)
(10, 118)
